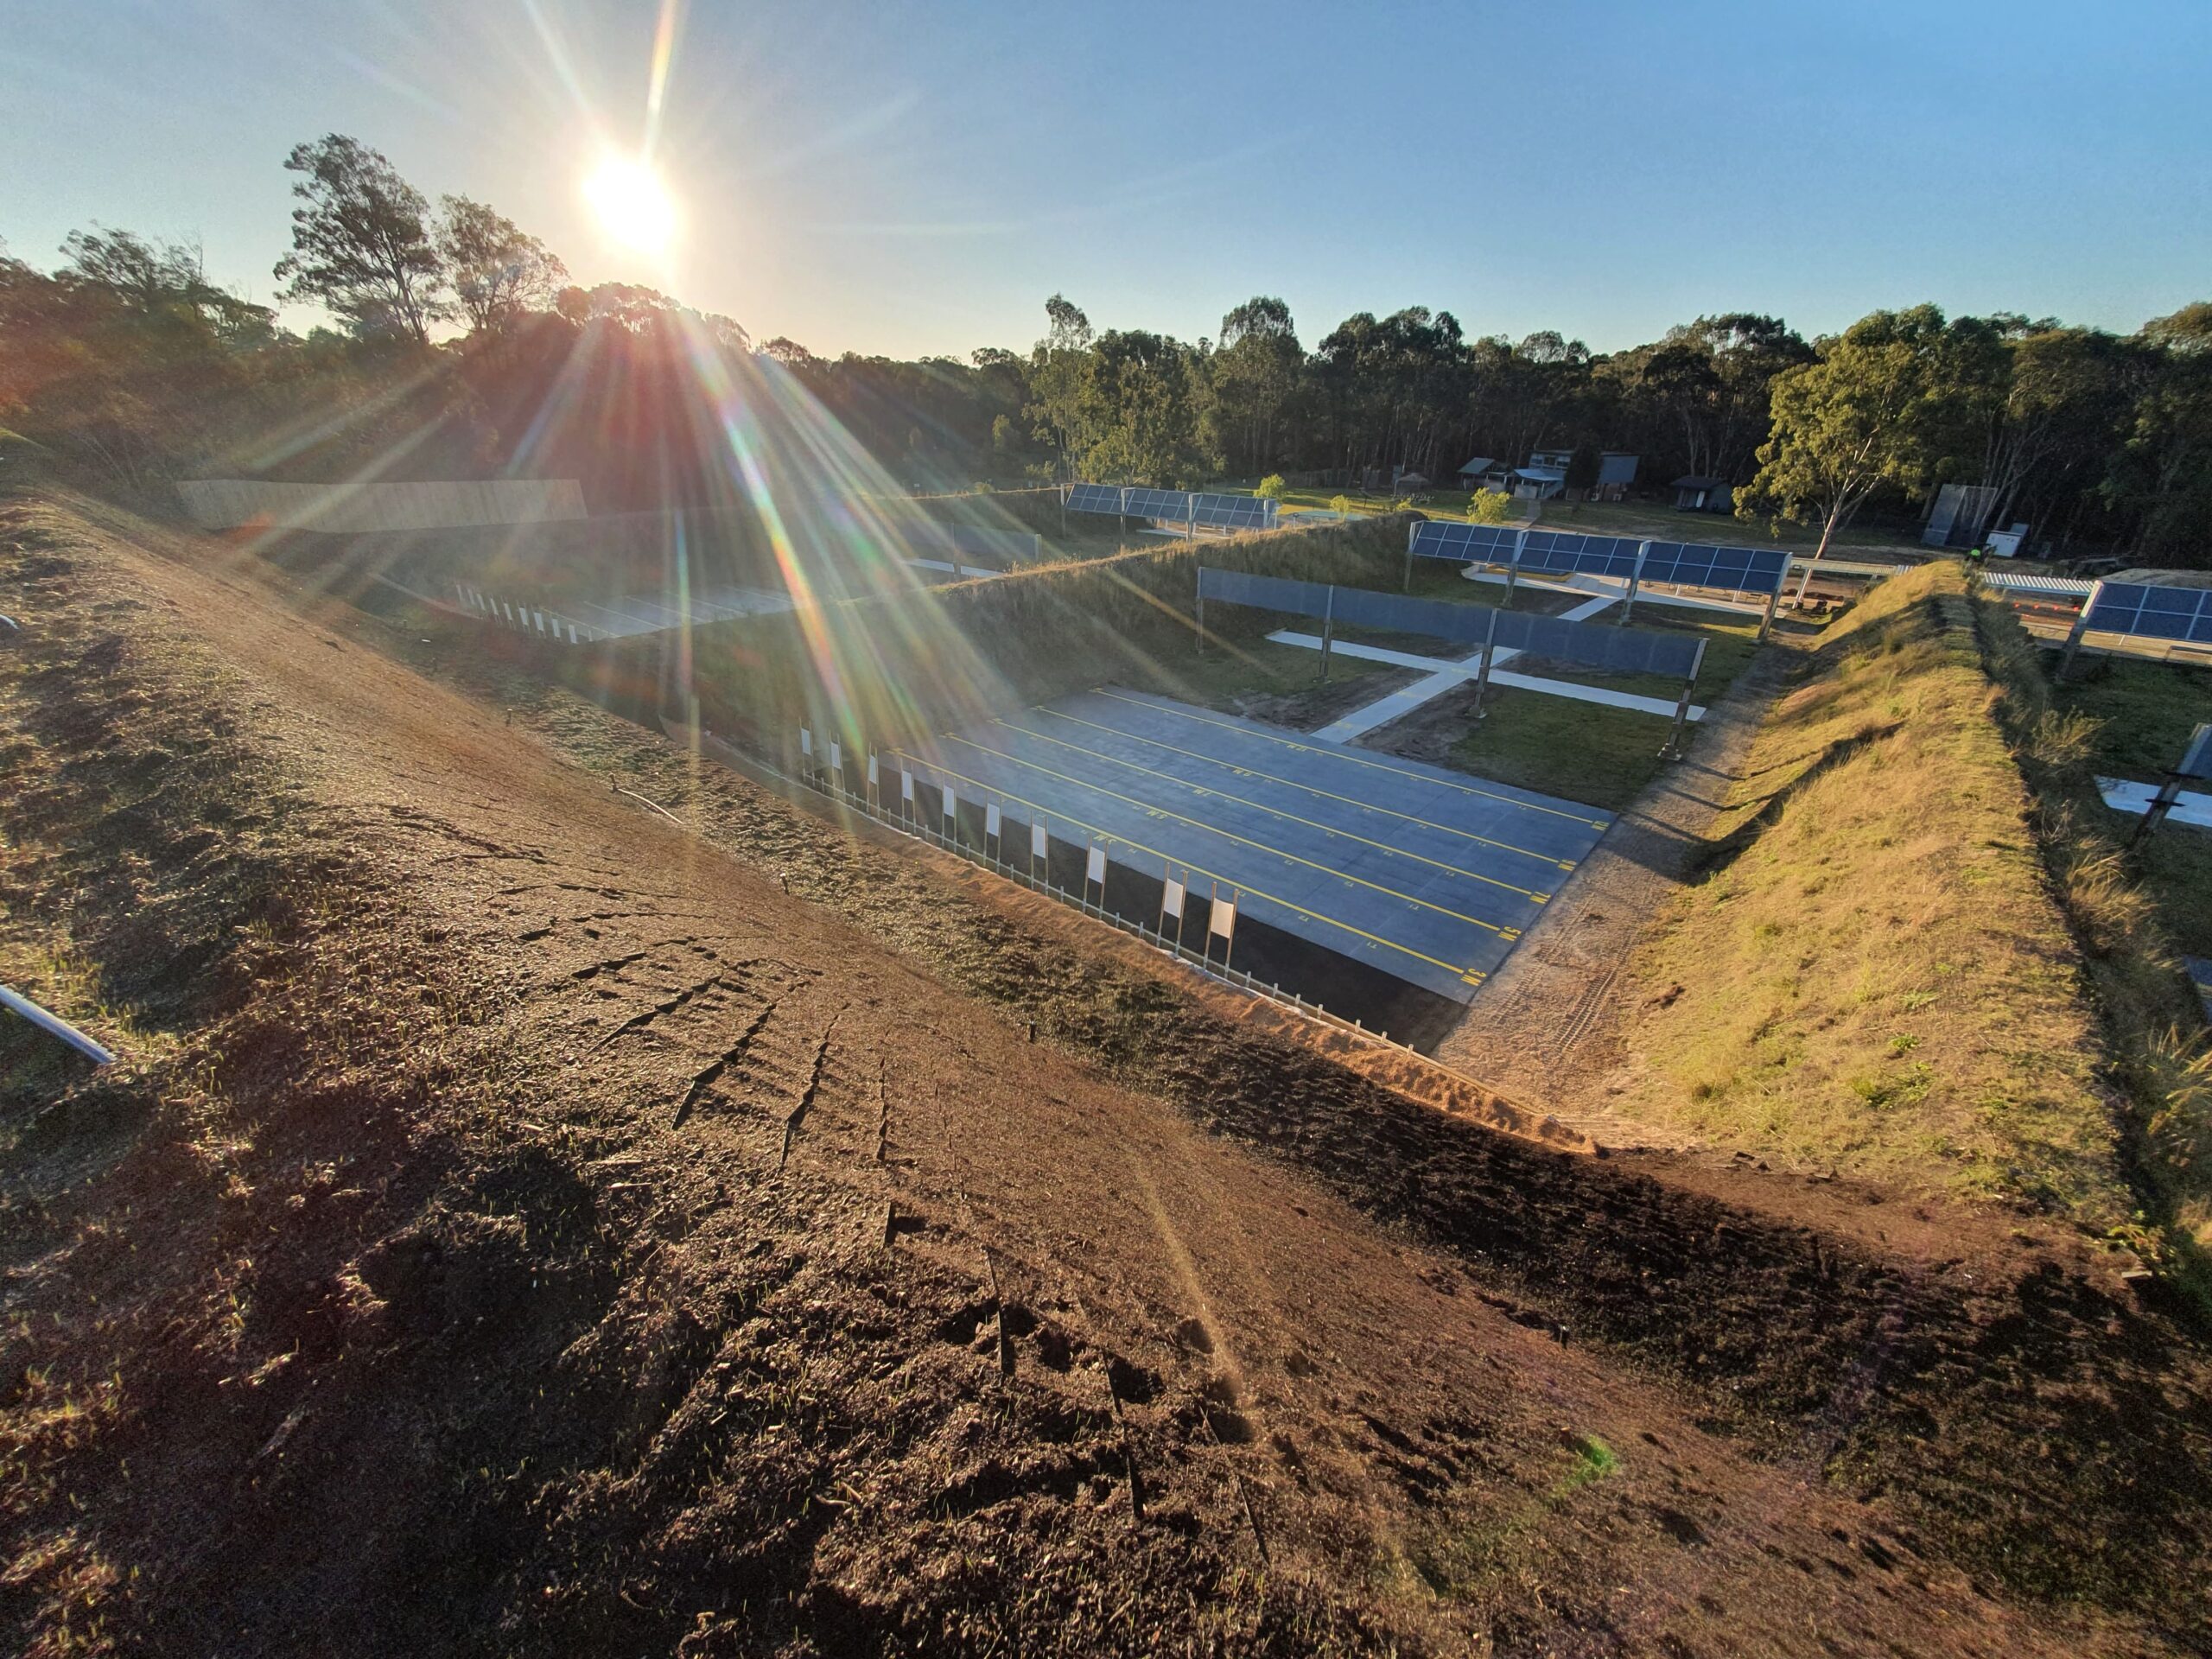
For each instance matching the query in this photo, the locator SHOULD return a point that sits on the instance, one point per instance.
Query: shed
(1478, 469)
(1535, 483)
(1695, 494)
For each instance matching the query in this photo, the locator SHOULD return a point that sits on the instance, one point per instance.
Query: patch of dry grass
(1875, 976)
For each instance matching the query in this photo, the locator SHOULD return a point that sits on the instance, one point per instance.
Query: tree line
(459, 346)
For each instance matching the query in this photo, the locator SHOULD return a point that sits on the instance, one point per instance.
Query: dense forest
(460, 349)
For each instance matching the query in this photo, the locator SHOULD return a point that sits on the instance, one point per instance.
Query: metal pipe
(55, 1027)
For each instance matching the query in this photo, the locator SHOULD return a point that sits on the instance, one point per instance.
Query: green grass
(2145, 714)
(1577, 751)
(1228, 672)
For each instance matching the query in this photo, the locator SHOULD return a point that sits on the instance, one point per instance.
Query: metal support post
(2081, 627)
(1410, 530)
(1328, 629)
(1635, 581)
(1200, 617)
(1672, 749)
(1513, 570)
(1766, 622)
(1482, 676)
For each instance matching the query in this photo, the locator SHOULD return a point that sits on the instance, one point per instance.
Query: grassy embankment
(1879, 975)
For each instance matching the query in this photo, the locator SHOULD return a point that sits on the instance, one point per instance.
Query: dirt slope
(521, 1227)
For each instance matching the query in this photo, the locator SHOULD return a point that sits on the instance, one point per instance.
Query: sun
(633, 204)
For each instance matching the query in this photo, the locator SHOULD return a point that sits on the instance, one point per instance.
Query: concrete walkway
(2124, 795)
(1445, 673)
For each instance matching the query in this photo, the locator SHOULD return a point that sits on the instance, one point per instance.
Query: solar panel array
(1215, 512)
(1600, 645)
(1693, 564)
(2181, 614)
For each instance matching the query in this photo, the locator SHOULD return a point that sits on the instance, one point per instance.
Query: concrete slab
(1428, 875)
(2124, 795)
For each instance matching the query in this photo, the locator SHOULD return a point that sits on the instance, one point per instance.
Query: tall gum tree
(1876, 407)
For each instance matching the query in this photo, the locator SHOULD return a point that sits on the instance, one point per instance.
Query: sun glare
(633, 206)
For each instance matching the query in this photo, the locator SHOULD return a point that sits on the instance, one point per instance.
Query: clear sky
(910, 179)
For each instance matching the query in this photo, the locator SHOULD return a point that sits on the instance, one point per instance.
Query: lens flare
(633, 206)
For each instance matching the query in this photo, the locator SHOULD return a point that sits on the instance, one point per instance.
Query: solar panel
(1702, 564)
(1469, 544)
(2145, 612)
(1159, 503)
(1597, 555)
(1095, 498)
(1234, 512)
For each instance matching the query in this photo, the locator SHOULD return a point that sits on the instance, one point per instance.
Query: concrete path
(2124, 795)
(1445, 673)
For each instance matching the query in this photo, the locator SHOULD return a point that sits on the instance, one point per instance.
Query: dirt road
(521, 1225)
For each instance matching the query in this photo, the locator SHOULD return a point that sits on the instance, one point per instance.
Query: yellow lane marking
(1293, 783)
(1162, 812)
(1039, 808)
(1346, 754)
(1311, 823)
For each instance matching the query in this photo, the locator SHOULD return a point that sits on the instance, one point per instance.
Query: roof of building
(1692, 481)
(1479, 464)
(1541, 474)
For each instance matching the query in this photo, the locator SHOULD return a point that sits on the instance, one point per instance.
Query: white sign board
(905, 785)
(1224, 920)
(1036, 839)
(991, 819)
(836, 756)
(805, 742)
(1095, 870)
(1172, 903)
(950, 800)
(871, 772)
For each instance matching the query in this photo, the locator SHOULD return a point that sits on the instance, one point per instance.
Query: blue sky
(918, 178)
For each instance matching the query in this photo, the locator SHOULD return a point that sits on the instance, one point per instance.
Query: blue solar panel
(1469, 544)
(1159, 503)
(1745, 570)
(1095, 498)
(2146, 612)
(1234, 512)
(1701, 564)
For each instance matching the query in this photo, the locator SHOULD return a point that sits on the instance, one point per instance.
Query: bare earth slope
(518, 1226)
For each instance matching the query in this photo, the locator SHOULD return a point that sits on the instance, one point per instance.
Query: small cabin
(1695, 494)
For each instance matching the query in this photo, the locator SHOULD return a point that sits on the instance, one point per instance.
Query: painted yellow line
(1044, 811)
(1227, 834)
(1293, 783)
(1346, 755)
(1311, 823)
